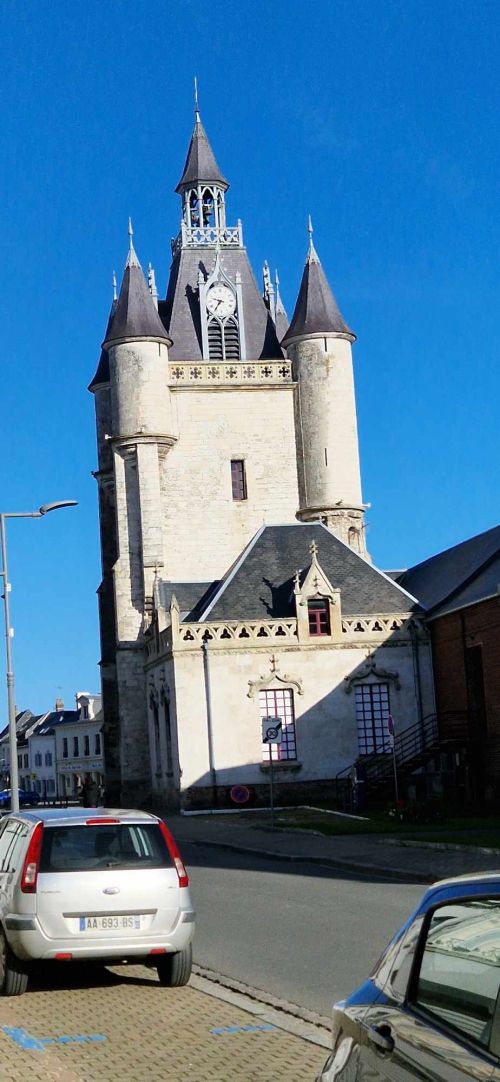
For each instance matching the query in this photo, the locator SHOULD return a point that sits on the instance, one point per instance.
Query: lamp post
(43, 510)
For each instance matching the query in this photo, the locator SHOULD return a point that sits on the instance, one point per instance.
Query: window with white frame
(48, 758)
(38, 759)
(50, 785)
(278, 703)
(372, 716)
(97, 744)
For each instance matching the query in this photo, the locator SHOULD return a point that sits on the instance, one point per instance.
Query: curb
(285, 1016)
(340, 865)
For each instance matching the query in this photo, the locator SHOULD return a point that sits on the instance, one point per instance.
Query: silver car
(92, 884)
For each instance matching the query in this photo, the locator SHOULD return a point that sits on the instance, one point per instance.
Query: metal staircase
(413, 749)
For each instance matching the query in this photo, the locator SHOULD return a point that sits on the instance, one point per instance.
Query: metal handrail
(431, 732)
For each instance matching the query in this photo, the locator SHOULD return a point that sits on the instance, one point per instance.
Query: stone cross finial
(115, 296)
(313, 549)
(196, 109)
(274, 663)
(130, 234)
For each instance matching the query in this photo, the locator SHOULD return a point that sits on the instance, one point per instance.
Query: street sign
(272, 730)
(239, 794)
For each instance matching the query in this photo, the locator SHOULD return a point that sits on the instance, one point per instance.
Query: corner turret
(318, 342)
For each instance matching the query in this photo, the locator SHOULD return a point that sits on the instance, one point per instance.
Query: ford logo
(111, 890)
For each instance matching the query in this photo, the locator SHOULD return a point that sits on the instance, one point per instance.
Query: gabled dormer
(317, 604)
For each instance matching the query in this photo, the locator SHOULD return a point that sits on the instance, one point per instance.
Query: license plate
(110, 924)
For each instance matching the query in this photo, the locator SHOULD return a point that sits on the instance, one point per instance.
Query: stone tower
(318, 342)
(206, 429)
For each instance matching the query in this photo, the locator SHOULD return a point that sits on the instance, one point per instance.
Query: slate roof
(56, 718)
(260, 583)
(200, 162)
(316, 309)
(135, 315)
(191, 596)
(460, 575)
(181, 309)
(102, 371)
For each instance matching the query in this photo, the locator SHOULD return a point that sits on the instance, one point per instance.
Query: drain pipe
(210, 738)
(418, 679)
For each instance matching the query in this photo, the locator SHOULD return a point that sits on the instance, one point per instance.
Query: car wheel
(174, 970)
(13, 975)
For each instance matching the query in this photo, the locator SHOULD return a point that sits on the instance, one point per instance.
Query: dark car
(431, 1008)
(27, 797)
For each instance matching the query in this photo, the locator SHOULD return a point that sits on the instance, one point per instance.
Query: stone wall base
(287, 794)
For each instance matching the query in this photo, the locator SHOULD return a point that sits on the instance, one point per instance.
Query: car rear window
(97, 848)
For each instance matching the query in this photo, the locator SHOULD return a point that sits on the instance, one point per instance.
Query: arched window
(319, 616)
(223, 340)
(215, 344)
(207, 207)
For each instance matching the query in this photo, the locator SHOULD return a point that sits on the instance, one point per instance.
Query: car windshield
(94, 848)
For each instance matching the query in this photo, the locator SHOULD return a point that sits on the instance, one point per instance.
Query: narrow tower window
(319, 616)
(238, 479)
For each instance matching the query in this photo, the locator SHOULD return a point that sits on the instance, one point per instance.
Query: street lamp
(43, 510)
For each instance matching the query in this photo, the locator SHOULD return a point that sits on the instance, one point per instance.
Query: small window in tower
(207, 207)
(319, 616)
(238, 479)
(194, 209)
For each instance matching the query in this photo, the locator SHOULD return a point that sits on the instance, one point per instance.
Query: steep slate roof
(102, 371)
(260, 583)
(200, 162)
(190, 595)
(135, 315)
(316, 309)
(458, 576)
(181, 309)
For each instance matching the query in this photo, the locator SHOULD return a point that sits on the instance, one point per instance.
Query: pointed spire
(152, 284)
(316, 310)
(201, 166)
(102, 371)
(312, 255)
(135, 314)
(132, 260)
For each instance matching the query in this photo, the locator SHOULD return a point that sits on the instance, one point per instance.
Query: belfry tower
(213, 417)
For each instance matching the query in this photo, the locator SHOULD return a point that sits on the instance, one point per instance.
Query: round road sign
(239, 794)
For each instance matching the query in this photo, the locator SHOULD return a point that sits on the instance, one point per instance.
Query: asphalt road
(309, 935)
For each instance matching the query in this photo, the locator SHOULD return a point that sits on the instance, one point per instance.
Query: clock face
(220, 301)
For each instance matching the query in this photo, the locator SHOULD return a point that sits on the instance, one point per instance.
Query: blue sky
(380, 119)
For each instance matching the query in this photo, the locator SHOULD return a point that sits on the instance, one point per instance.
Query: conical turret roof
(136, 315)
(201, 165)
(316, 310)
(102, 370)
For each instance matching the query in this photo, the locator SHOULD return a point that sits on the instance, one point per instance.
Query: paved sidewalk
(368, 853)
(122, 1026)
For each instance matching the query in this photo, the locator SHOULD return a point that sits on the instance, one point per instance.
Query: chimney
(59, 704)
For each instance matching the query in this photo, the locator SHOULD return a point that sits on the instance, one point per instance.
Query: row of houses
(57, 749)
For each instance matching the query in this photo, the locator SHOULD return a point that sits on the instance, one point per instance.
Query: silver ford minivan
(92, 884)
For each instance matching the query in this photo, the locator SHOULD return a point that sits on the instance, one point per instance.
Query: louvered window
(223, 340)
(231, 341)
(215, 350)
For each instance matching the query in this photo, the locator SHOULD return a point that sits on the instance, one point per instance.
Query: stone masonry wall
(204, 528)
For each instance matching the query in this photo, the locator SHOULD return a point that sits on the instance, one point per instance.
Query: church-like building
(236, 585)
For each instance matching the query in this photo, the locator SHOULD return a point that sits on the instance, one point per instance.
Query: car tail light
(175, 855)
(63, 956)
(31, 861)
(158, 950)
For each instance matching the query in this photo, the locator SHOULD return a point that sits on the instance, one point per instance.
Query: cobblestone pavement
(120, 1025)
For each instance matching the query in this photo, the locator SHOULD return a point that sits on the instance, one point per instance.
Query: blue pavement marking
(221, 1031)
(37, 1044)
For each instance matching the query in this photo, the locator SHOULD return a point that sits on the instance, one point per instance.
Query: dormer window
(319, 616)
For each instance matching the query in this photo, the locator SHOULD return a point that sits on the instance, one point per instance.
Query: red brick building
(460, 589)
